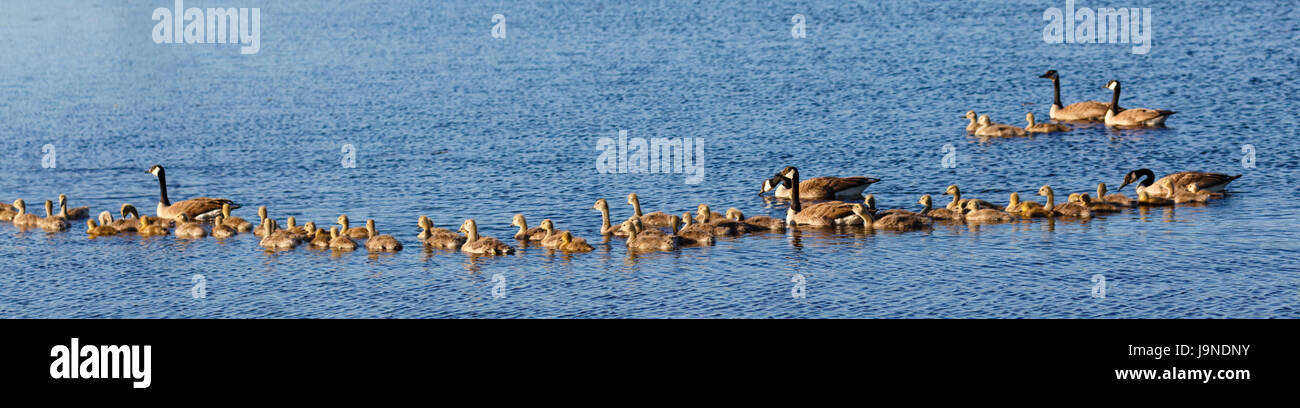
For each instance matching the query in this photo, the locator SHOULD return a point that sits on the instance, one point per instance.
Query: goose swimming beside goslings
(821, 214)
(819, 188)
(202, 208)
(1132, 117)
(1078, 111)
(1211, 182)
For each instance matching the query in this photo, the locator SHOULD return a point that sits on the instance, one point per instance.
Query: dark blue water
(449, 122)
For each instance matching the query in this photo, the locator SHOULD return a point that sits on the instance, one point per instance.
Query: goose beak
(1121, 187)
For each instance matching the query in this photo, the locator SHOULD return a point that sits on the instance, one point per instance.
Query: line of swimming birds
(642, 232)
(1087, 111)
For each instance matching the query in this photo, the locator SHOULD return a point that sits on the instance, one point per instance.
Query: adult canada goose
(239, 224)
(893, 222)
(638, 240)
(757, 222)
(149, 229)
(974, 123)
(977, 215)
(1043, 127)
(274, 239)
(819, 188)
(24, 218)
(1212, 182)
(220, 229)
(945, 213)
(98, 230)
(355, 232)
(525, 233)
(1078, 111)
(130, 221)
(440, 238)
(1114, 199)
(1017, 206)
(320, 238)
(1066, 209)
(340, 242)
(476, 245)
(1097, 207)
(654, 219)
(821, 214)
(721, 225)
(959, 203)
(571, 244)
(1147, 200)
(202, 208)
(380, 243)
(605, 227)
(989, 129)
(1132, 117)
(187, 229)
(51, 222)
(79, 213)
(695, 234)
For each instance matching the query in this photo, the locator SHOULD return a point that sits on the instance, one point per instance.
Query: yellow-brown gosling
(605, 227)
(1193, 194)
(638, 241)
(1078, 111)
(974, 123)
(51, 222)
(1132, 117)
(693, 234)
(892, 222)
(291, 227)
(202, 208)
(354, 232)
(478, 245)
(377, 242)
(239, 224)
(757, 222)
(130, 221)
(959, 203)
(1118, 200)
(654, 219)
(551, 236)
(339, 242)
(1066, 209)
(870, 202)
(1097, 207)
(274, 239)
(320, 238)
(1016, 206)
(265, 220)
(188, 229)
(928, 210)
(977, 215)
(95, 230)
(1034, 127)
(525, 233)
(989, 129)
(720, 224)
(149, 229)
(79, 213)
(9, 212)
(571, 244)
(438, 237)
(1146, 199)
(220, 229)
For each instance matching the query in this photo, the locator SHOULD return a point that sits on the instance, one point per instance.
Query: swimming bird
(220, 229)
(1017, 206)
(273, 239)
(380, 243)
(238, 224)
(1043, 127)
(1212, 182)
(320, 238)
(958, 203)
(989, 129)
(525, 233)
(821, 214)
(721, 225)
(440, 238)
(187, 229)
(7, 212)
(945, 213)
(571, 244)
(974, 121)
(757, 222)
(1078, 111)
(819, 188)
(95, 230)
(870, 202)
(23, 218)
(1097, 207)
(1066, 209)
(477, 245)
(1148, 200)
(202, 208)
(291, 227)
(51, 222)
(355, 232)
(639, 241)
(893, 222)
(1114, 199)
(690, 234)
(79, 213)
(340, 242)
(605, 227)
(977, 215)
(1132, 117)
(130, 221)
(263, 220)
(149, 229)
(654, 219)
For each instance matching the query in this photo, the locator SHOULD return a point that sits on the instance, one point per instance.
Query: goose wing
(1204, 181)
(829, 186)
(1140, 115)
(195, 207)
(1085, 109)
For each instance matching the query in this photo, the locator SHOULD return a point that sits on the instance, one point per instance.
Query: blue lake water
(449, 122)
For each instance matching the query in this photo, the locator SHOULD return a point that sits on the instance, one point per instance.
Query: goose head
(970, 114)
(734, 214)
(63, 199)
(370, 228)
(1085, 198)
(1112, 85)
(548, 226)
(1029, 117)
(90, 225)
(518, 221)
(225, 210)
(984, 121)
(21, 206)
(1014, 199)
(1045, 191)
(129, 209)
(790, 172)
(1073, 198)
(310, 226)
(870, 202)
(926, 201)
(1101, 190)
(1051, 74)
(49, 208)
(334, 231)
(182, 218)
(686, 219)
(469, 227)
(601, 205)
(342, 220)
(566, 238)
(261, 212)
(291, 223)
(1133, 177)
(105, 218)
(425, 223)
(633, 200)
(704, 213)
(156, 170)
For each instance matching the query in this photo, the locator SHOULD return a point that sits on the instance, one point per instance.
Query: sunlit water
(452, 123)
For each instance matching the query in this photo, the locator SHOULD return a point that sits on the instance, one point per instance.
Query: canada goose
(51, 222)
(819, 188)
(79, 213)
(695, 234)
(220, 229)
(355, 232)
(974, 124)
(571, 244)
(1146, 199)
(1212, 182)
(1193, 194)
(637, 240)
(1066, 209)
(551, 236)
(260, 231)
(1017, 206)
(98, 230)
(977, 215)
(340, 242)
(945, 213)
(377, 242)
(476, 245)
(893, 222)
(654, 219)
(525, 233)
(274, 239)
(1113, 199)
(24, 218)
(1096, 207)
(202, 208)
(605, 227)
(989, 129)
(1043, 127)
(239, 224)
(757, 222)
(187, 229)
(1132, 117)
(441, 238)
(149, 229)
(817, 215)
(721, 225)
(958, 203)
(320, 238)
(1078, 111)
(130, 221)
